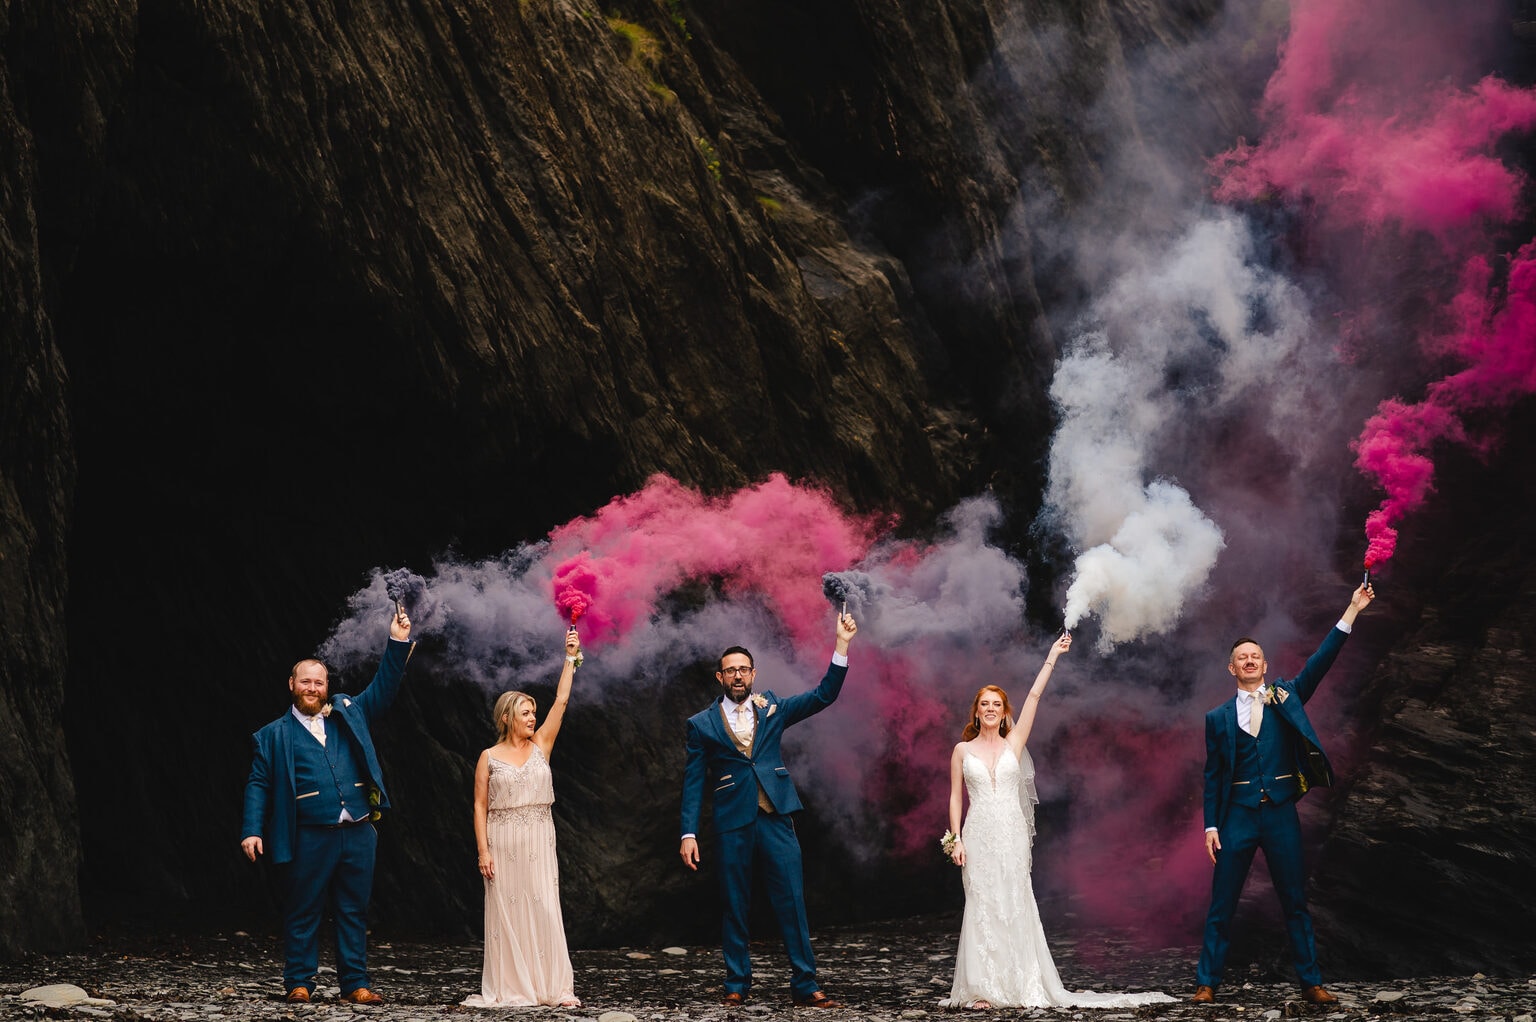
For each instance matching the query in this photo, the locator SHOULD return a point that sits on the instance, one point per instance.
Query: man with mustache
(733, 749)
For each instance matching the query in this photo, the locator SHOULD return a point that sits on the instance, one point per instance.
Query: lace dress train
(1003, 958)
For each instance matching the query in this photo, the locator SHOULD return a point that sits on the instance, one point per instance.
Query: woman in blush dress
(1003, 960)
(526, 959)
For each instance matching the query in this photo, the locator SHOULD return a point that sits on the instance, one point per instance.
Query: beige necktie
(317, 727)
(1255, 714)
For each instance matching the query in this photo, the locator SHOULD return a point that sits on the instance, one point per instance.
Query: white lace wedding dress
(1003, 958)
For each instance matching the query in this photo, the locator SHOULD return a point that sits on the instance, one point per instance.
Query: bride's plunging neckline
(991, 770)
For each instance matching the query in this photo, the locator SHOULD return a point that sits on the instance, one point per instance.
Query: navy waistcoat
(1261, 762)
(327, 778)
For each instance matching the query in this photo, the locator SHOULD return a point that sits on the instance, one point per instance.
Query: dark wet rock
(39, 832)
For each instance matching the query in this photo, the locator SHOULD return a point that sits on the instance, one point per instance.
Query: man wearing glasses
(733, 747)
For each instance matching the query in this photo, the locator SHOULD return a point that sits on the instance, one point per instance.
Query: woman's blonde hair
(973, 725)
(506, 708)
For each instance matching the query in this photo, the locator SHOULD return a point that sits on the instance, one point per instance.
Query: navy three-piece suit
(294, 800)
(753, 795)
(1251, 788)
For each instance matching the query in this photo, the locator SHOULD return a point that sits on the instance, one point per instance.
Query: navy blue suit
(294, 797)
(747, 833)
(1251, 788)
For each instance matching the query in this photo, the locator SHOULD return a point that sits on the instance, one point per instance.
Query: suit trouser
(332, 867)
(1276, 829)
(768, 843)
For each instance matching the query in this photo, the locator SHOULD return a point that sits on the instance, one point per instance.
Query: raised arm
(956, 801)
(1020, 733)
(805, 704)
(482, 807)
(1312, 672)
(544, 737)
(381, 691)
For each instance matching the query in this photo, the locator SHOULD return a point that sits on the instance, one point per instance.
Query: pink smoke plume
(1380, 144)
(775, 539)
(575, 588)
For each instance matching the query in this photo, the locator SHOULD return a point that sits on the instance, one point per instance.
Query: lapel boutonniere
(325, 711)
(759, 701)
(1275, 694)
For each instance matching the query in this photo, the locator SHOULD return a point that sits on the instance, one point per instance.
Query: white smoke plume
(1179, 339)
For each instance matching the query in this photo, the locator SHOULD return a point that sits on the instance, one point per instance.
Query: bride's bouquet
(947, 842)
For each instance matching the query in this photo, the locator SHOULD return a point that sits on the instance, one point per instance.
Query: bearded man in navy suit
(1261, 756)
(733, 749)
(314, 789)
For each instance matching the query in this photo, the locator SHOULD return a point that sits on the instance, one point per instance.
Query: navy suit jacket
(1303, 749)
(271, 809)
(715, 762)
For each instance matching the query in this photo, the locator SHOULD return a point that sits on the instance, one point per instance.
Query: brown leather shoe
(733, 999)
(817, 1000)
(1317, 995)
(1204, 995)
(362, 995)
(298, 995)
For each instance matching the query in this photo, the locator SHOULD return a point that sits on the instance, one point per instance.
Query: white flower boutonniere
(325, 711)
(1275, 694)
(759, 701)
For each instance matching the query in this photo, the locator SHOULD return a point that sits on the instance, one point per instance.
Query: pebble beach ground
(885, 973)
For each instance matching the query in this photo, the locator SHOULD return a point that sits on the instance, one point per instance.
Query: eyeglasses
(736, 672)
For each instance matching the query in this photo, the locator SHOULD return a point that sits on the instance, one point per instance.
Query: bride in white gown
(1003, 960)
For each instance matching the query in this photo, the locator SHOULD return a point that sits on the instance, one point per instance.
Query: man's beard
(309, 710)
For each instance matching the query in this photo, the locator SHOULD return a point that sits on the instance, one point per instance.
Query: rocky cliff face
(337, 283)
(39, 831)
(449, 274)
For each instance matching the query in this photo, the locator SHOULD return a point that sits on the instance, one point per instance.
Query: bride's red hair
(973, 725)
